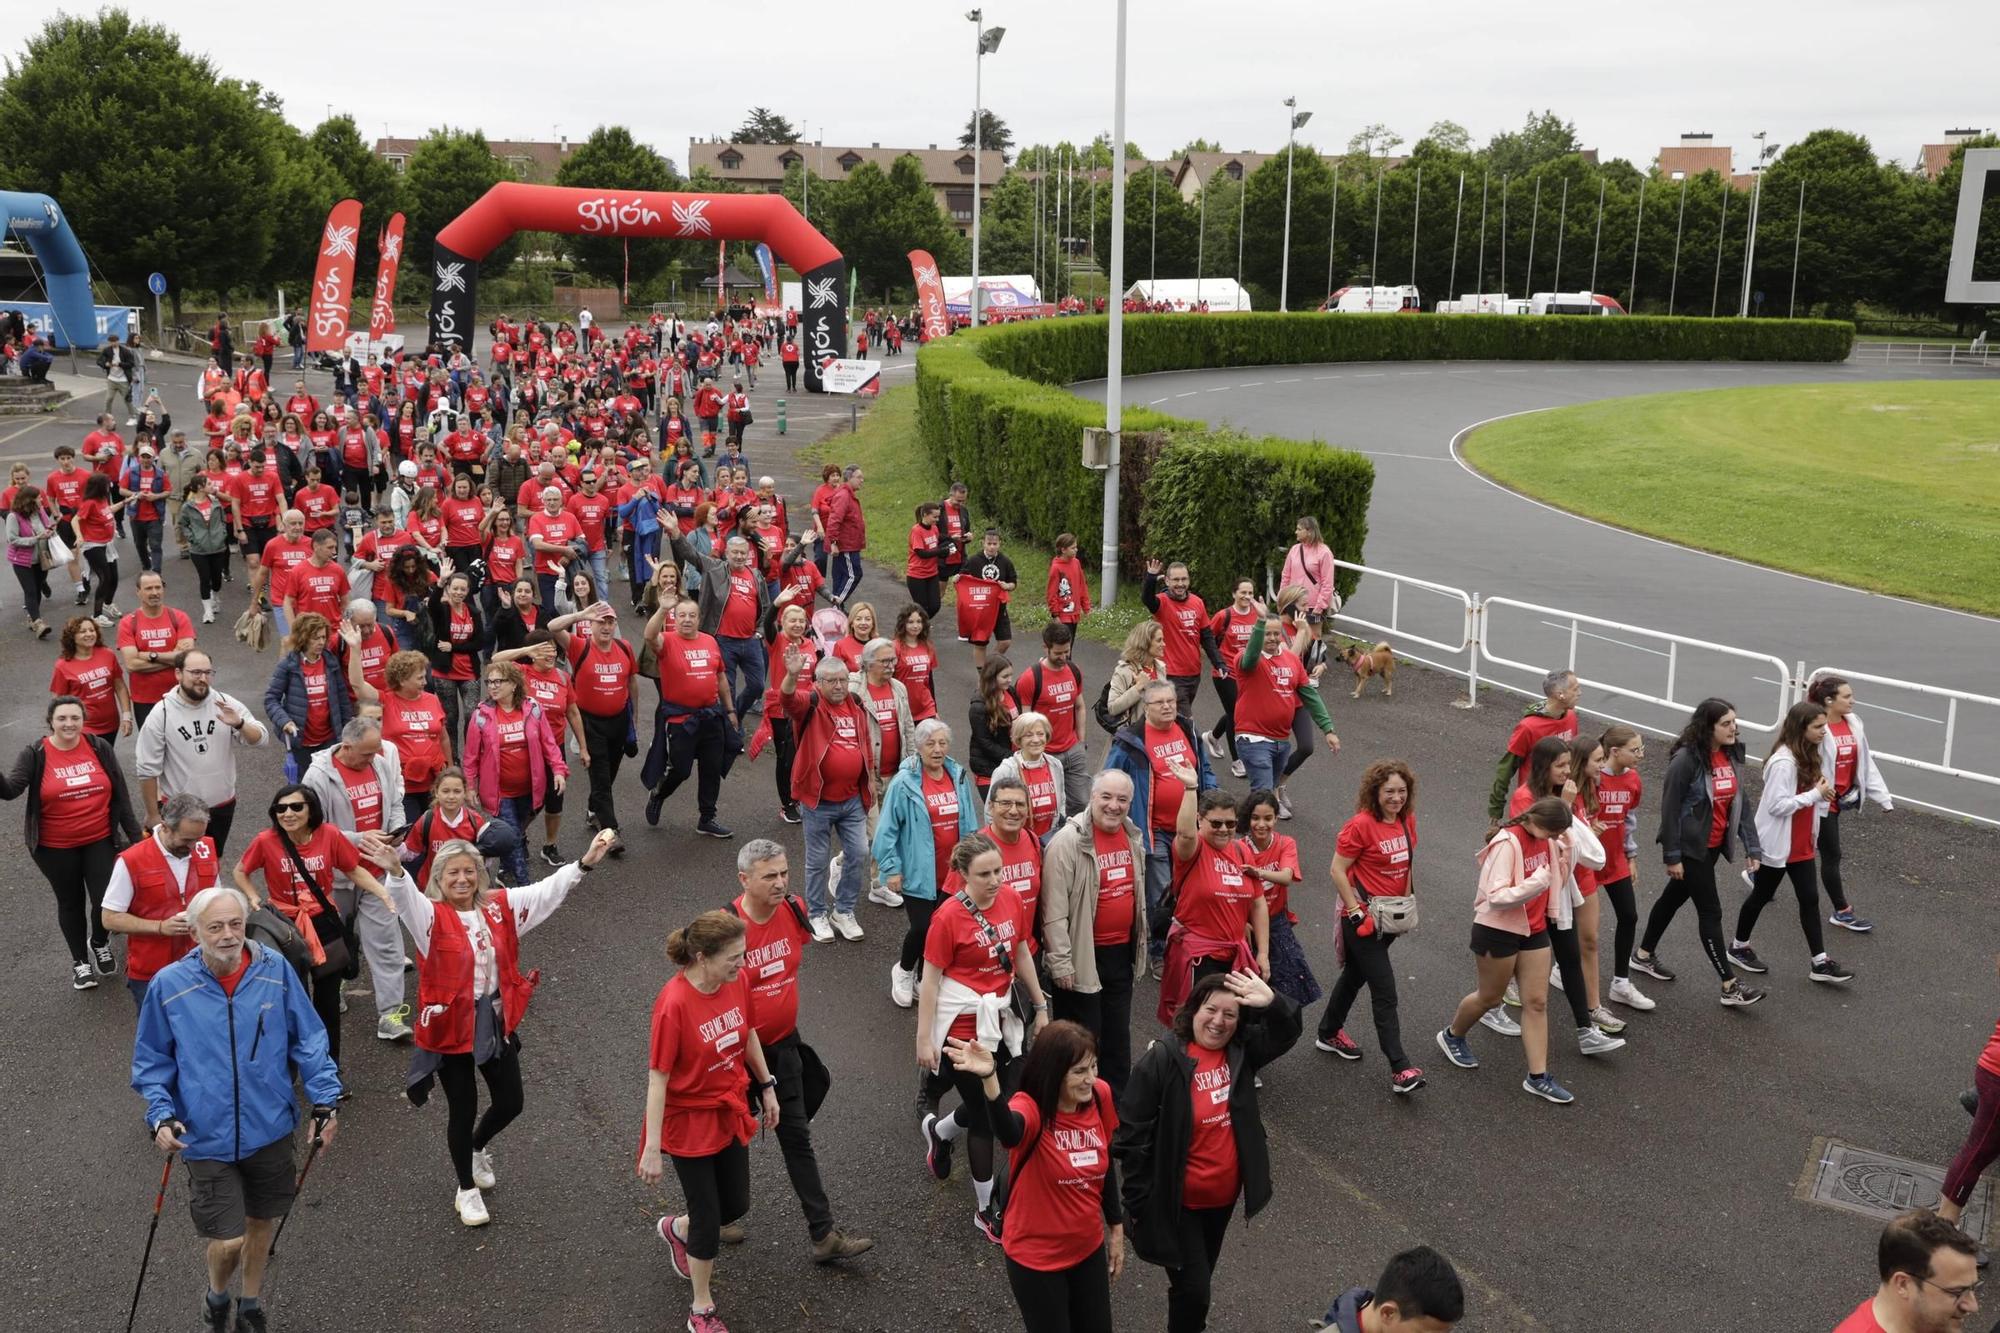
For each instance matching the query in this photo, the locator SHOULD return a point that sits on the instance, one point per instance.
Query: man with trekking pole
(222, 1033)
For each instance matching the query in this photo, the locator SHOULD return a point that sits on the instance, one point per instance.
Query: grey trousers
(1077, 773)
(382, 945)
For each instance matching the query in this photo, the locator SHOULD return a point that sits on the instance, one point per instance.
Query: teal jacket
(903, 844)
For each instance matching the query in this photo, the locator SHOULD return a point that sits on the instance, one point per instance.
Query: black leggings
(784, 748)
(461, 1094)
(1225, 726)
(1188, 1287)
(1627, 912)
(1829, 859)
(1304, 736)
(1064, 1300)
(78, 876)
(919, 912)
(103, 562)
(1569, 957)
(717, 1190)
(971, 1112)
(1365, 962)
(925, 593)
(1764, 887)
(1697, 882)
(208, 570)
(33, 589)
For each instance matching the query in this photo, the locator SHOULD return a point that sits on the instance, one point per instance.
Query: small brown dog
(1366, 661)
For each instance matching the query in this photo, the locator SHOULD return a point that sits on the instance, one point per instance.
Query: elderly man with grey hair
(230, 1116)
(734, 600)
(1093, 915)
(833, 780)
(152, 883)
(359, 782)
(1555, 715)
(775, 932)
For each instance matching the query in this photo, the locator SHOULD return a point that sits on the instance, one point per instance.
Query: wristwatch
(767, 1084)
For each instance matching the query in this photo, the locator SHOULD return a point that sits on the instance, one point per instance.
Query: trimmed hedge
(995, 412)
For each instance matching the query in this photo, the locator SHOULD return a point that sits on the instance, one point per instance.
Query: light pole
(1298, 120)
(1114, 387)
(1750, 238)
(989, 42)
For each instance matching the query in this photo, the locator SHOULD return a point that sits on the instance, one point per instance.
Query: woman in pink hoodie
(1310, 564)
(1524, 871)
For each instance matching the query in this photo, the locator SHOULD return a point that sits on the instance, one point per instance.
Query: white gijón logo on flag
(451, 277)
(392, 246)
(339, 242)
(823, 291)
(692, 218)
(925, 274)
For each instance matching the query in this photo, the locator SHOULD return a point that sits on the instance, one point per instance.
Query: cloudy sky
(1631, 78)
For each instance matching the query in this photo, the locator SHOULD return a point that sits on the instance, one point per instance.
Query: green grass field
(1890, 487)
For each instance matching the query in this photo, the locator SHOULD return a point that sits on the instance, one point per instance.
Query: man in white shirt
(188, 744)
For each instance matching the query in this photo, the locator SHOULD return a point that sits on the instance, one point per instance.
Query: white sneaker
(833, 869)
(849, 928)
(1284, 805)
(1556, 977)
(822, 929)
(482, 1169)
(885, 896)
(472, 1208)
(1590, 1041)
(1213, 743)
(1496, 1018)
(902, 986)
(1625, 993)
(1236, 768)
(208, 611)
(1513, 995)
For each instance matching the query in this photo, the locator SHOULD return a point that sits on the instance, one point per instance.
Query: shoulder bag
(1397, 915)
(343, 957)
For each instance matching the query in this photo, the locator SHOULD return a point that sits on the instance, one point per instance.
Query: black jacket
(26, 778)
(1156, 1126)
(987, 747)
(438, 649)
(1687, 812)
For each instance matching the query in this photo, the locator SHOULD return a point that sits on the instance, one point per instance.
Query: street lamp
(1764, 154)
(1299, 118)
(989, 42)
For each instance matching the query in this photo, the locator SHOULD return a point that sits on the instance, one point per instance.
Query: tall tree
(1198, 146)
(763, 125)
(362, 174)
(1449, 135)
(447, 174)
(304, 189)
(611, 159)
(993, 133)
(1373, 140)
(1543, 137)
(157, 160)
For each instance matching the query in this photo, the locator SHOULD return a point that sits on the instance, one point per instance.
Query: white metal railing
(1402, 634)
(1943, 765)
(1673, 645)
(1925, 354)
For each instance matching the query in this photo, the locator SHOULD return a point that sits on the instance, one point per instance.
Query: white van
(1374, 300)
(1475, 303)
(1574, 303)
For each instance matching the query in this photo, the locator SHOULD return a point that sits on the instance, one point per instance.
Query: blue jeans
(743, 658)
(138, 990)
(849, 822)
(298, 356)
(846, 575)
(1263, 760)
(1159, 881)
(595, 562)
(279, 626)
(517, 812)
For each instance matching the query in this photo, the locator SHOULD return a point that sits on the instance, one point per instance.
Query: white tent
(1220, 293)
(999, 291)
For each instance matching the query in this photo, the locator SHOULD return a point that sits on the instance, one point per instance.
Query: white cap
(406, 469)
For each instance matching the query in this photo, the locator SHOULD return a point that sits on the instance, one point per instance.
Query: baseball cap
(406, 469)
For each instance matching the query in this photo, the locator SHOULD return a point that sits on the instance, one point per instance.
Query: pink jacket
(1314, 569)
(1504, 895)
(482, 755)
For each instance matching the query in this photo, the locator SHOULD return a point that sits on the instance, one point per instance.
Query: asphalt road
(1433, 517)
(1662, 1200)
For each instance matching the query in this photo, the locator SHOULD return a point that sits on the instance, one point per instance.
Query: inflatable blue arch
(39, 221)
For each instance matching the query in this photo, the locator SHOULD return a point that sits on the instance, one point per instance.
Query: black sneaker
(713, 829)
(1830, 971)
(618, 846)
(103, 959)
(250, 1321)
(790, 814)
(551, 856)
(1747, 959)
(937, 1150)
(215, 1316)
(83, 977)
(1741, 995)
(987, 1219)
(1970, 1101)
(654, 800)
(1651, 966)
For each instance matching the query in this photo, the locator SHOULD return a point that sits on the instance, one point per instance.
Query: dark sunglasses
(289, 806)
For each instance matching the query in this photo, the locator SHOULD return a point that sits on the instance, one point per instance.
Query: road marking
(1220, 388)
(1251, 384)
(1189, 394)
(1407, 374)
(1293, 380)
(1384, 453)
(1371, 374)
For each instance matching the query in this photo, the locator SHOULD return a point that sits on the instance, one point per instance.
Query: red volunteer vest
(446, 1019)
(156, 895)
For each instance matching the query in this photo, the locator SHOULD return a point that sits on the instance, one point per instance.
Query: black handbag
(270, 928)
(343, 951)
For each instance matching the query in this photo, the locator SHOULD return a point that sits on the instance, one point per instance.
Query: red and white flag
(382, 315)
(333, 280)
(930, 295)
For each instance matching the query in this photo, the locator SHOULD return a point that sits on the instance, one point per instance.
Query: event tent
(1220, 293)
(1000, 291)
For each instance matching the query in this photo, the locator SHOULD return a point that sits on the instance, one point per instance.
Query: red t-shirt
(771, 955)
(317, 727)
(258, 496)
(1802, 848)
(93, 521)
(91, 679)
(1269, 695)
(66, 487)
(698, 1043)
(503, 559)
(689, 670)
(603, 676)
(1056, 1180)
(1166, 745)
(941, 799)
(1043, 782)
(462, 635)
(841, 771)
(882, 700)
(968, 954)
(1617, 802)
(1846, 752)
(511, 729)
(1116, 884)
(1183, 622)
(1282, 854)
(364, 797)
(282, 556)
(1380, 852)
(327, 850)
(922, 566)
(590, 512)
(914, 667)
(1213, 895)
(416, 728)
(75, 795)
(1212, 1178)
(559, 528)
(321, 588)
(1721, 795)
(550, 689)
(1534, 856)
(461, 521)
(774, 669)
(1056, 701)
(1863, 1320)
(1532, 728)
(1021, 872)
(1232, 633)
(320, 504)
(739, 612)
(147, 635)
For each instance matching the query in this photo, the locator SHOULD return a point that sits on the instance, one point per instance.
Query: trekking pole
(311, 1153)
(152, 1229)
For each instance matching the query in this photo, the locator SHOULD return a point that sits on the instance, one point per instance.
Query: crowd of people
(437, 544)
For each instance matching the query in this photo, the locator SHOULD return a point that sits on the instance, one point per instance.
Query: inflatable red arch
(511, 206)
